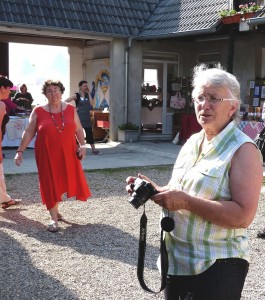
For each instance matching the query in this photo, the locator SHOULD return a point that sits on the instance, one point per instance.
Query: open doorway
(34, 64)
(156, 111)
(152, 100)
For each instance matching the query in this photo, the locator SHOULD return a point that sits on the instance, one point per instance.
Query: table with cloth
(14, 130)
(189, 126)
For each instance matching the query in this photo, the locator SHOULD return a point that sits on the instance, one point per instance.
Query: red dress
(60, 171)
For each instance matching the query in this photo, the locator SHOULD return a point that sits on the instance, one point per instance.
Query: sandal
(53, 226)
(9, 203)
(96, 152)
(261, 234)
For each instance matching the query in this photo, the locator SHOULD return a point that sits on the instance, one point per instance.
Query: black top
(24, 100)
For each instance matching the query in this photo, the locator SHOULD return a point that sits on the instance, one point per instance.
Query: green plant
(227, 13)
(129, 126)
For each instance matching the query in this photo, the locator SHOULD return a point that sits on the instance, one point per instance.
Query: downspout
(127, 50)
(231, 50)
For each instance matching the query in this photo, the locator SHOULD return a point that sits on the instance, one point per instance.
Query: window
(150, 77)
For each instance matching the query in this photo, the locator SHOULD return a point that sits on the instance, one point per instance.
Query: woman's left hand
(171, 200)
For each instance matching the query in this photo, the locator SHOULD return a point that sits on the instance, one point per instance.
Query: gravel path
(94, 254)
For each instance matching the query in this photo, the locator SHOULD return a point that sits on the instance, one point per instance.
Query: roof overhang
(23, 29)
(210, 30)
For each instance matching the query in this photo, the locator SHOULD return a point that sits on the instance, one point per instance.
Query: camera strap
(141, 256)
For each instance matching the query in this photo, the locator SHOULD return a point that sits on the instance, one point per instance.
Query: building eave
(23, 29)
(180, 34)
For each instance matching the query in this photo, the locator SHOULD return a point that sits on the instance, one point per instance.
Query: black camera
(142, 191)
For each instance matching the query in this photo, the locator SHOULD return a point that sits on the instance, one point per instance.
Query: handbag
(78, 155)
(260, 142)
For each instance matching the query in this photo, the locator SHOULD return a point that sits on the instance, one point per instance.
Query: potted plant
(128, 132)
(230, 16)
(249, 10)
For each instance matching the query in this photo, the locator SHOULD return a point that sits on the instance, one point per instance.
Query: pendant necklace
(55, 122)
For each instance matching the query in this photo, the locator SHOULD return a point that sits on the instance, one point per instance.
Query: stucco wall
(76, 69)
(248, 59)
(134, 84)
(117, 84)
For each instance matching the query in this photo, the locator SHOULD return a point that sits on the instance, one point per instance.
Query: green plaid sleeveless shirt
(195, 244)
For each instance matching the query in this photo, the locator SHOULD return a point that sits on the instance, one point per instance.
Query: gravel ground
(94, 254)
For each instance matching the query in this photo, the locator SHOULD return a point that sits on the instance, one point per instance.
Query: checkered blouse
(195, 244)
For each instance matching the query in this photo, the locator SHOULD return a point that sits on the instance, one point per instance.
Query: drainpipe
(231, 48)
(127, 50)
(256, 21)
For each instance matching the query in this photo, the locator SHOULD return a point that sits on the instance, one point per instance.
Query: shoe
(53, 226)
(96, 152)
(261, 234)
(9, 203)
(59, 217)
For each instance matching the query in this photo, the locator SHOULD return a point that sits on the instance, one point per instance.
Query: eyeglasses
(52, 91)
(211, 99)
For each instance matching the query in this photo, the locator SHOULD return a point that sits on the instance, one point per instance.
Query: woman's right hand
(131, 179)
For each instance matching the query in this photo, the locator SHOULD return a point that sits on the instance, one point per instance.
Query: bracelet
(19, 151)
(83, 146)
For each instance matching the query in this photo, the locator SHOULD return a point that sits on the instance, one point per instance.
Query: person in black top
(23, 98)
(83, 106)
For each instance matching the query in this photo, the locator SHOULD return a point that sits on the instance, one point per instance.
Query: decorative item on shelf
(230, 16)
(151, 103)
(147, 87)
(153, 88)
(128, 132)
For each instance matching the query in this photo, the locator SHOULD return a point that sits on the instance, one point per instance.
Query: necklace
(55, 122)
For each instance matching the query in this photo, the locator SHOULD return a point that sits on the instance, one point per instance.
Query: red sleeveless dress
(59, 169)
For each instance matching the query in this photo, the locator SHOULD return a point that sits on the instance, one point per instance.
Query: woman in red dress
(60, 171)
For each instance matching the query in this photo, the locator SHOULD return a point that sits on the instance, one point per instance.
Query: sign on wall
(98, 78)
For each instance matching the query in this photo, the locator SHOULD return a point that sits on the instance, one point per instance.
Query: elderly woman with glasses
(212, 196)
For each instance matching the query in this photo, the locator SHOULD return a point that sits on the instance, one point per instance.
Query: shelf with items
(151, 98)
(144, 93)
(151, 113)
(251, 109)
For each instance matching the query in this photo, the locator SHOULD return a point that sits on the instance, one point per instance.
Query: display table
(14, 130)
(98, 131)
(252, 129)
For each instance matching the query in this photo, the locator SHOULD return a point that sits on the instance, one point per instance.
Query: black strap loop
(141, 257)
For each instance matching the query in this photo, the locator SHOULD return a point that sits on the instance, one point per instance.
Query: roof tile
(138, 18)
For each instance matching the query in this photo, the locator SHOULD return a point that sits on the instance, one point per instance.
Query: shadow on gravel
(99, 240)
(20, 279)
